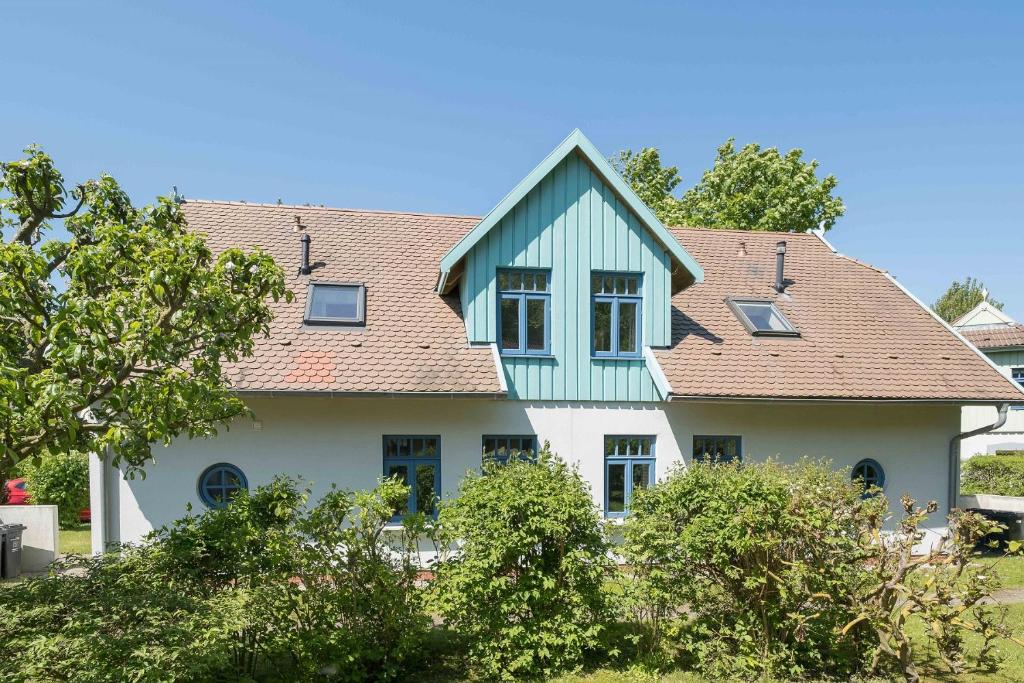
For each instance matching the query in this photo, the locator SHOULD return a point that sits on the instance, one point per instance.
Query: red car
(17, 494)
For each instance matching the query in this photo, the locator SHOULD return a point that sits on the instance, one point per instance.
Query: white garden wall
(339, 440)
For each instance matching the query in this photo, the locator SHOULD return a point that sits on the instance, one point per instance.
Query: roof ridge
(741, 231)
(329, 208)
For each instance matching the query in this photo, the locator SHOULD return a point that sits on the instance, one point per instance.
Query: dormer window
(524, 312)
(762, 318)
(615, 312)
(335, 303)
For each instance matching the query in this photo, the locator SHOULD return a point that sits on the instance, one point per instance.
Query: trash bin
(11, 553)
(3, 544)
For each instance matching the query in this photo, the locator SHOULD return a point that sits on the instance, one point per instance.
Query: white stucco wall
(40, 541)
(340, 440)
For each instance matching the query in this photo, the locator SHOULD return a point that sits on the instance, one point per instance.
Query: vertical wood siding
(572, 223)
(1007, 359)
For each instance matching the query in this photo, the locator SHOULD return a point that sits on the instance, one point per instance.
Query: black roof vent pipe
(780, 267)
(304, 268)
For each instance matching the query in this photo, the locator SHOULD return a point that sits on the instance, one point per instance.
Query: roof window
(762, 318)
(335, 304)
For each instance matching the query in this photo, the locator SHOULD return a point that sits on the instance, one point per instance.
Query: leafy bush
(60, 479)
(524, 585)
(756, 554)
(264, 589)
(998, 475)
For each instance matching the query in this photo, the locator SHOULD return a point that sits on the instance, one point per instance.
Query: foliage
(651, 181)
(115, 336)
(997, 475)
(961, 297)
(749, 189)
(944, 587)
(524, 584)
(755, 553)
(267, 588)
(60, 479)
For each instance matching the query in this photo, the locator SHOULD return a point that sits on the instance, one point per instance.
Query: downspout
(954, 452)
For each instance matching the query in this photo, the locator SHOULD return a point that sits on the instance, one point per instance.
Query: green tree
(961, 297)
(749, 189)
(60, 479)
(115, 336)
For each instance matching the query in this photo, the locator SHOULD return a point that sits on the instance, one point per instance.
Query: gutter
(284, 393)
(954, 452)
(825, 400)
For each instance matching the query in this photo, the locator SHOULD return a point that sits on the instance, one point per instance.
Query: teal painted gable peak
(576, 142)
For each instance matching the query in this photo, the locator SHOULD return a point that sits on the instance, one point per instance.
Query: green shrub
(998, 475)
(755, 554)
(265, 589)
(524, 585)
(60, 479)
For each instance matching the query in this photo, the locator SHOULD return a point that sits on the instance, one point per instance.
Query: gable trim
(983, 307)
(575, 141)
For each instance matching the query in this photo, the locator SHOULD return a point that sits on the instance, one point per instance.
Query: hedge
(999, 475)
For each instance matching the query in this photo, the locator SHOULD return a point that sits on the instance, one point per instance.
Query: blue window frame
(501, 449)
(219, 483)
(628, 466)
(524, 312)
(1018, 377)
(615, 314)
(717, 449)
(416, 462)
(870, 472)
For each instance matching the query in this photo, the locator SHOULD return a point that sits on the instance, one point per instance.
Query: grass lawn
(77, 540)
(1011, 570)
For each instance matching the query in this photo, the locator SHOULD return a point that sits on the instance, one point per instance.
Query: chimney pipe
(780, 267)
(304, 268)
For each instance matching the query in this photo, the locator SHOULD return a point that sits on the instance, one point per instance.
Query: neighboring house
(418, 344)
(1001, 338)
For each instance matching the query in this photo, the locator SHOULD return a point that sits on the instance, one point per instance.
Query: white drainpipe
(954, 453)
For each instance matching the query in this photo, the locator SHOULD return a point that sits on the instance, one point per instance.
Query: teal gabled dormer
(571, 277)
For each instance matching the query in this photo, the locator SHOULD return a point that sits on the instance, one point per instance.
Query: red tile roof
(996, 337)
(862, 337)
(414, 340)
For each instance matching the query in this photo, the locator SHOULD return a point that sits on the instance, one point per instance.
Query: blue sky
(917, 109)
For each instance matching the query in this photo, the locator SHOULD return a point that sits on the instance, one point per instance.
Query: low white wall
(41, 539)
(340, 441)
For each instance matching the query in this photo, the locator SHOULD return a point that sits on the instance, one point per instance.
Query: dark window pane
(425, 488)
(617, 487)
(602, 326)
(502, 280)
(400, 472)
(528, 281)
(417, 446)
(641, 475)
(634, 446)
(609, 446)
(620, 285)
(631, 285)
(627, 327)
(510, 323)
(489, 445)
(535, 324)
(515, 280)
(645, 446)
(334, 302)
(542, 282)
(609, 284)
(595, 284)
(623, 447)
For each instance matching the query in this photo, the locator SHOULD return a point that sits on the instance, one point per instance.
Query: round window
(219, 483)
(869, 472)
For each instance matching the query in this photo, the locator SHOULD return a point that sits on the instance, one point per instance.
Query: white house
(1001, 339)
(418, 343)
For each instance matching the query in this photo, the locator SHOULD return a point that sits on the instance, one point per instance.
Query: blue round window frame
(862, 471)
(214, 480)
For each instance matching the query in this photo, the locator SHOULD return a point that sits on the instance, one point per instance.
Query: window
(628, 466)
(335, 304)
(501, 449)
(1018, 377)
(219, 483)
(524, 312)
(615, 310)
(762, 318)
(420, 457)
(869, 472)
(717, 449)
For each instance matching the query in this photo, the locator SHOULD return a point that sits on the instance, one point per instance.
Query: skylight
(335, 304)
(762, 318)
